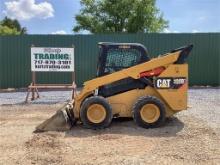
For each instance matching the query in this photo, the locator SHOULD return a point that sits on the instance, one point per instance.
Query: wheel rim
(150, 113)
(96, 113)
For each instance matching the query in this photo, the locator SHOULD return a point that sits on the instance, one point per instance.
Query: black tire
(148, 100)
(96, 100)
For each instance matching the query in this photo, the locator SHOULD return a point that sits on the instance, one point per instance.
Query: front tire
(96, 113)
(149, 112)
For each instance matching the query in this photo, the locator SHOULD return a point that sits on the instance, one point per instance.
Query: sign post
(50, 59)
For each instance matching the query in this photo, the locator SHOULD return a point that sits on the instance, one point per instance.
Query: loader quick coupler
(70, 115)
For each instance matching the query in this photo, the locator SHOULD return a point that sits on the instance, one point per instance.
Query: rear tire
(149, 112)
(96, 113)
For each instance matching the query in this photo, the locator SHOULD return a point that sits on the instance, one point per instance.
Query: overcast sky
(57, 16)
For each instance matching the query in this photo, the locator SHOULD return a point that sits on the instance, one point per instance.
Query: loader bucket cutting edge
(58, 122)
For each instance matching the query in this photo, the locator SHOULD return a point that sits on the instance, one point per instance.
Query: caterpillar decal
(172, 83)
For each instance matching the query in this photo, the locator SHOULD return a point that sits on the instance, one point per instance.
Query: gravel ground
(205, 105)
(191, 137)
(48, 97)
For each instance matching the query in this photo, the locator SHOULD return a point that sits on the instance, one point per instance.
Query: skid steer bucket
(61, 121)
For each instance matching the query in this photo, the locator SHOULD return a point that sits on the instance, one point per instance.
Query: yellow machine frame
(175, 99)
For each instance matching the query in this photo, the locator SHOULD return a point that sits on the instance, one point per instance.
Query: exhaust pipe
(63, 120)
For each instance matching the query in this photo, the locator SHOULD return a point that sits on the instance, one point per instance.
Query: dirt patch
(44, 149)
(185, 139)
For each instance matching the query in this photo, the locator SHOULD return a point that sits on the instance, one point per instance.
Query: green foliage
(11, 27)
(132, 16)
(5, 30)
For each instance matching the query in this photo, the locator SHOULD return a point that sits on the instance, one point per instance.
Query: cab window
(118, 59)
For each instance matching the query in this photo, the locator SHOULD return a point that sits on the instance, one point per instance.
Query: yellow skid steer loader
(128, 84)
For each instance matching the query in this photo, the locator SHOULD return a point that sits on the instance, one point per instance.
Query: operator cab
(114, 57)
